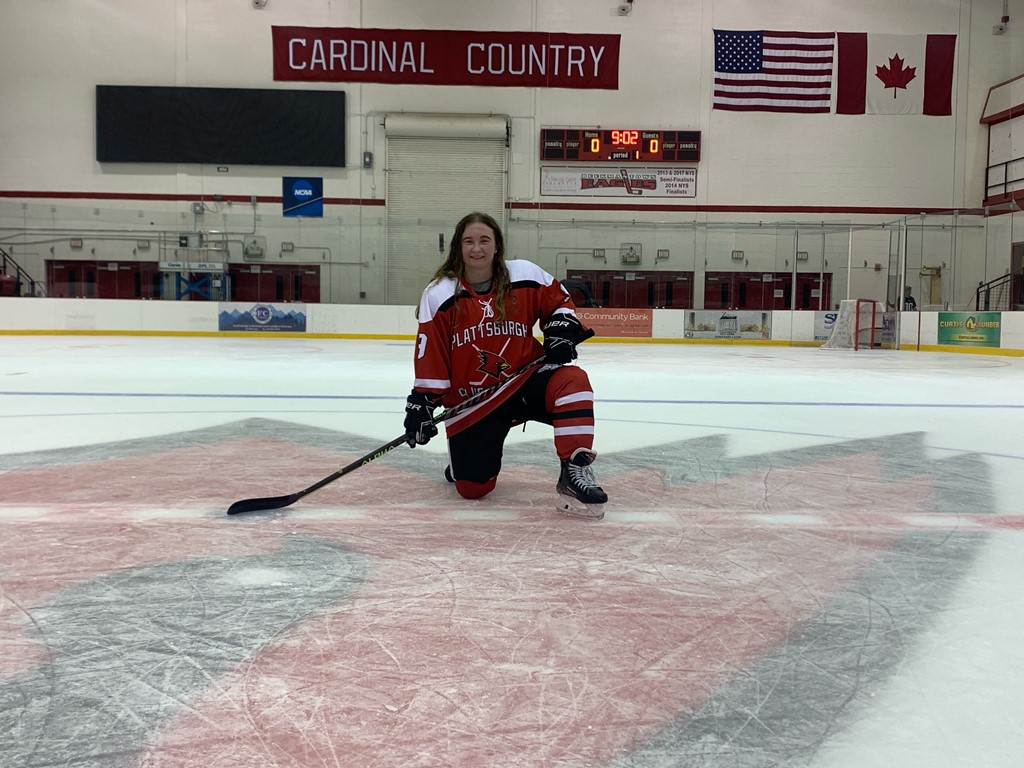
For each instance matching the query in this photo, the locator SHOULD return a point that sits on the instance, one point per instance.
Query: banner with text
(622, 182)
(824, 322)
(969, 329)
(630, 323)
(446, 57)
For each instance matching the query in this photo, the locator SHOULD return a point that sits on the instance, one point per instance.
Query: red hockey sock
(469, 490)
(570, 401)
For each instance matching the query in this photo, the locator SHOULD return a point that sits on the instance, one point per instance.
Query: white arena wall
(18, 316)
(848, 190)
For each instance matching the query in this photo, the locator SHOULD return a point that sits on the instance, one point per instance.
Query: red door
(116, 281)
(106, 281)
(279, 283)
(57, 279)
(621, 290)
(814, 291)
(71, 279)
(718, 290)
(249, 284)
(673, 291)
(305, 284)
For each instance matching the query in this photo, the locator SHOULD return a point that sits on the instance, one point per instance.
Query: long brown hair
(454, 266)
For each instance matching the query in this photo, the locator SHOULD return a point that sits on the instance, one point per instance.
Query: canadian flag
(894, 74)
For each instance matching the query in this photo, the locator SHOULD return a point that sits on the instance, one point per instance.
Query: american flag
(761, 71)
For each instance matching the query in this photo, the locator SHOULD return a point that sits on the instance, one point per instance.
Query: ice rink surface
(810, 558)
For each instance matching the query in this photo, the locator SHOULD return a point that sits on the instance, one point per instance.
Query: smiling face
(478, 248)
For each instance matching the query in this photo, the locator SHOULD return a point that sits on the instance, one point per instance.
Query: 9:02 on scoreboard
(619, 145)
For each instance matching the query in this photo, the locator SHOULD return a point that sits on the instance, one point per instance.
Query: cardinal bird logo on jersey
(492, 364)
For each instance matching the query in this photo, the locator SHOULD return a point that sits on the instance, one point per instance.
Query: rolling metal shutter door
(439, 168)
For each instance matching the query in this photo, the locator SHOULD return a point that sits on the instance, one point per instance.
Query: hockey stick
(277, 502)
(629, 184)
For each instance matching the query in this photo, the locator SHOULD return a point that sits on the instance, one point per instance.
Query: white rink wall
(102, 316)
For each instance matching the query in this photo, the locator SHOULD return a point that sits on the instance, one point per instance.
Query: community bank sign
(446, 57)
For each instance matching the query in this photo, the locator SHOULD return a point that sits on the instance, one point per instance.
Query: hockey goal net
(860, 324)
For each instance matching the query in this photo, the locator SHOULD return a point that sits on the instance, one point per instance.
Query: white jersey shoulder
(434, 296)
(521, 269)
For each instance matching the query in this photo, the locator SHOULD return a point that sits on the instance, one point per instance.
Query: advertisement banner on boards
(727, 324)
(824, 322)
(969, 329)
(263, 318)
(618, 323)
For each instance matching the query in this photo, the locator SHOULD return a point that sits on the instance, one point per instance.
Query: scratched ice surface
(809, 559)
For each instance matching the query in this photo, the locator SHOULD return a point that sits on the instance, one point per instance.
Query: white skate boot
(578, 491)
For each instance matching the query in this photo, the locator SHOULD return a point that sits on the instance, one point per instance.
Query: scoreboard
(618, 145)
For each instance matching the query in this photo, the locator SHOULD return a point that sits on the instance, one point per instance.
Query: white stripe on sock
(578, 397)
(574, 430)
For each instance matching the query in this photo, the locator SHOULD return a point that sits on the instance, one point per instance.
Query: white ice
(82, 391)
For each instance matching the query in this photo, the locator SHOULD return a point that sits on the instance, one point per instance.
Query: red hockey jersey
(462, 348)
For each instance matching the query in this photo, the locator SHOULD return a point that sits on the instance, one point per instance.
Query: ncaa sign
(302, 196)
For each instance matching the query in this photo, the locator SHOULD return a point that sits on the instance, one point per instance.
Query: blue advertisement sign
(302, 196)
(236, 316)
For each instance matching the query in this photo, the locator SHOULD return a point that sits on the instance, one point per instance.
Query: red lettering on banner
(607, 182)
(446, 57)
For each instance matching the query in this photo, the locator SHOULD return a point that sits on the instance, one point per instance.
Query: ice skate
(578, 491)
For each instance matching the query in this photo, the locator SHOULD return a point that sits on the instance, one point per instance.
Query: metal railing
(997, 295)
(22, 278)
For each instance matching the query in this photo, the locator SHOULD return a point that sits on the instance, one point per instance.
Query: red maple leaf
(895, 75)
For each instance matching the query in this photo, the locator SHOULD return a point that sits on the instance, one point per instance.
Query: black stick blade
(270, 502)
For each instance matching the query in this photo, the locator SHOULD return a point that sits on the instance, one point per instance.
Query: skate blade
(569, 505)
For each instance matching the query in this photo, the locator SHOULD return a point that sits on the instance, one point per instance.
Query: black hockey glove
(561, 335)
(419, 414)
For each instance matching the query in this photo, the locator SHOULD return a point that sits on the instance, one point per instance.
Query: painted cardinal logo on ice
(722, 584)
(491, 364)
(896, 75)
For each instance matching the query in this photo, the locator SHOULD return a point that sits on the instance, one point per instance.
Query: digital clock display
(619, 145)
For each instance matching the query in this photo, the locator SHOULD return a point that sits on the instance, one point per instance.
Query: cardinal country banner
(894, 74)
(446, 57)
